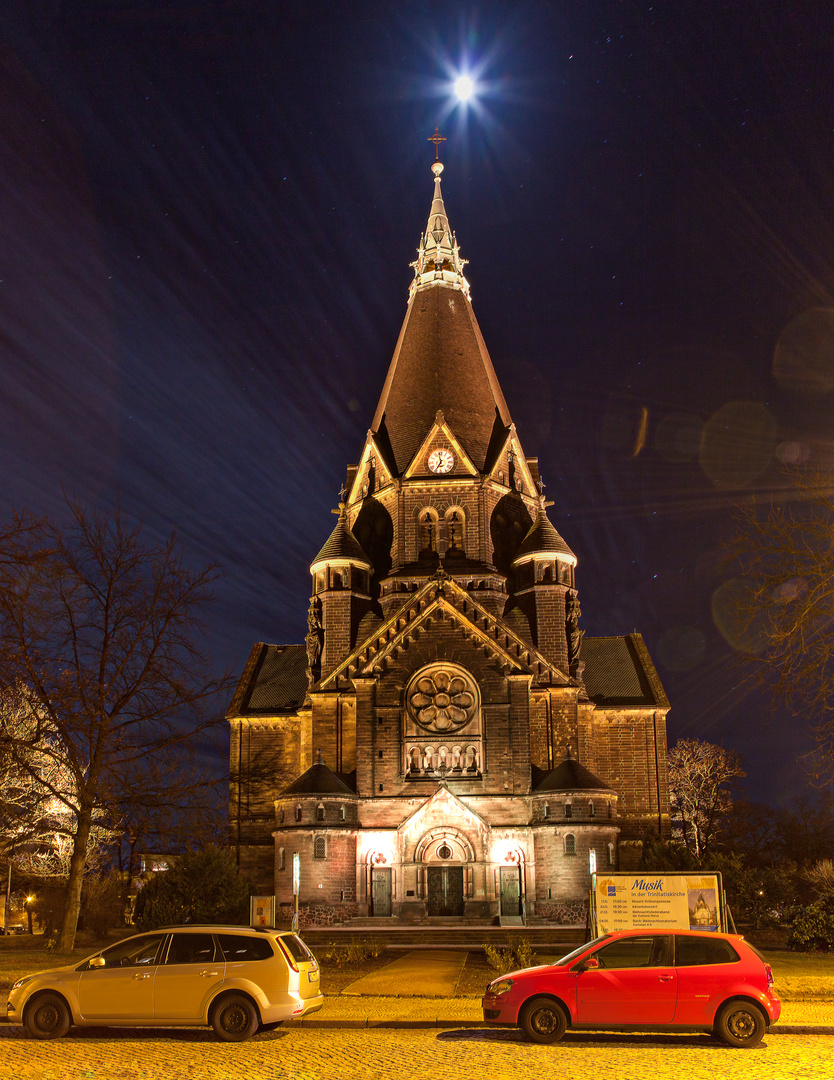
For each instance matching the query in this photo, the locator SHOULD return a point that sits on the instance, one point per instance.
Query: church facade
(446, 742)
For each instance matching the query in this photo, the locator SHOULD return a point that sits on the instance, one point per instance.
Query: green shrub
(201, 887)
(505, 958)
(813, 926)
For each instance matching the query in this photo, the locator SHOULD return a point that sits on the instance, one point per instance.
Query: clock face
(441, 461)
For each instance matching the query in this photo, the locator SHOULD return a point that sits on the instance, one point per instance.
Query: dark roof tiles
(440, 363)
(542, 538)
(569, 775)
(620, 672)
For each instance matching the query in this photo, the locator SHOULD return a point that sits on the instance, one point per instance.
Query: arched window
(281, 816)
(592, 810)
(427, 530)
(320, 812)
(319, 848)
(610, 854)
(570, 844)
(298, 813)
(281, 862)
(456, 529)
(568, 810)
(341, 813)
(546, 812)
(610, 810)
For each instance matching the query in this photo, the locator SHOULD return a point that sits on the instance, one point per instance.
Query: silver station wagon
(237, 979)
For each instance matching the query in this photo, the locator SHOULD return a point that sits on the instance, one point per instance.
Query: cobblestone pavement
(397, 1054)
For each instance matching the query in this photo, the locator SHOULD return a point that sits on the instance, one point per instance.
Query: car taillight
(769, 976)
(286, 953)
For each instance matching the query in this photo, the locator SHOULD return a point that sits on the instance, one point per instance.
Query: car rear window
(242, 947)
(690, 951)
(296, 947)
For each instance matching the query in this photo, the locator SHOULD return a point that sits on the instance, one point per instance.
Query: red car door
(635, 983)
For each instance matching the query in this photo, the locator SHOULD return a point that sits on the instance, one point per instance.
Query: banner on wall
(675, 901)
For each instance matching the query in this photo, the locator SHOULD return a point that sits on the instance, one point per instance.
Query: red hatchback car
(643, 979)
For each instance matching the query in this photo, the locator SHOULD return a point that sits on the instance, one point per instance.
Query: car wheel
(740, 1023)
(234, 1018)
(543, 1020)
(47, 1017)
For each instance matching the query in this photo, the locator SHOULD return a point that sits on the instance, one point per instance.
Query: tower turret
(341, 581)
(544, 567)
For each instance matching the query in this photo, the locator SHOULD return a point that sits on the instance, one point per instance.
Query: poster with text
(676, 901)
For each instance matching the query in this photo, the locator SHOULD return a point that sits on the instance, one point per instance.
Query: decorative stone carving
(442, 698)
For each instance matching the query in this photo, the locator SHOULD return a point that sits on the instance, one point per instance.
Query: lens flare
(464, 87)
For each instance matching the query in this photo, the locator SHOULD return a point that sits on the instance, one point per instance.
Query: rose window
(441, 700)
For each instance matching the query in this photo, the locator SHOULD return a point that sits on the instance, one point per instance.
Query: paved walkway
(425, 973)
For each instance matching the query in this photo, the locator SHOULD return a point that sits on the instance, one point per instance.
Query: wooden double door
(444, 890)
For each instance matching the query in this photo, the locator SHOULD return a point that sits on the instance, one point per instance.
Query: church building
(446, 742)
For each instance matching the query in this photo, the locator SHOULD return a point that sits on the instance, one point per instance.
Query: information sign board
(262, 911)
(678, 901)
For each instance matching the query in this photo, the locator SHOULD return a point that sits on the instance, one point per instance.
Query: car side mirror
(97, 962)
(591, 964)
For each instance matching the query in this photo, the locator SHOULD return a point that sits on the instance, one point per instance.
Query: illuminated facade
(445, 743)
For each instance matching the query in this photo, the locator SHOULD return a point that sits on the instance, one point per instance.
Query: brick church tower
(446, 742)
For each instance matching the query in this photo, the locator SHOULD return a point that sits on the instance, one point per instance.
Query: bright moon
(464, 87)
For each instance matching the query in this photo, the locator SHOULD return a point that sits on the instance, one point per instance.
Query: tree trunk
(72, 902)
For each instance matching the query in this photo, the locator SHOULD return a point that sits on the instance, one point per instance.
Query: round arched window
(444, 852)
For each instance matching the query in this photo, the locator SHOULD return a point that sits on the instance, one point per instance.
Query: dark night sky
(208, 211)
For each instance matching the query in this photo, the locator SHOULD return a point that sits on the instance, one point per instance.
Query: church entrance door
(510, 891)
(381, 891)
(445, 890)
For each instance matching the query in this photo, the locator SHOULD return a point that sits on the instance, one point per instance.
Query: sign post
(296, 887)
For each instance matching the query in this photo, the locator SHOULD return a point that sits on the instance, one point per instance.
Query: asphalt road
(398, 1054)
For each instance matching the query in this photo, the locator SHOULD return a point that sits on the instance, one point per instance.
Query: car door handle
(665, 978)
(208, 974)
(143, 975)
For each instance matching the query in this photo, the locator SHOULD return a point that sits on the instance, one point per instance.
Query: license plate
(313, 976)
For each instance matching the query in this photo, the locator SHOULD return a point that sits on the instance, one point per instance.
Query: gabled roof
(441, 598)
(455, 809)
(318, 780)
(569, 775)
(620, 672)
(274, 681)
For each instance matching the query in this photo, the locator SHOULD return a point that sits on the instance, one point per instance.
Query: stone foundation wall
(318, 915)
(565, 913)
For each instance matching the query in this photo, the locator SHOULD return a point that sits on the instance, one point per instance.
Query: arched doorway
(446, 872)
(511, 885)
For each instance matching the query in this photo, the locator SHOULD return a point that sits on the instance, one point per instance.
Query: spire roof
(342, 546)
(440, 361)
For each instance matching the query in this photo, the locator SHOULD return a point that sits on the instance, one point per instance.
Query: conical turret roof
(543, 538)
(569, 775)
(441, 361)
(318, 780)
(342, 545)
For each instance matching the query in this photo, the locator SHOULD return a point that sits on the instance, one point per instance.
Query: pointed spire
(438, 257)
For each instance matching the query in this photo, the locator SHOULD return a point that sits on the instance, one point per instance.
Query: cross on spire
(437, 139)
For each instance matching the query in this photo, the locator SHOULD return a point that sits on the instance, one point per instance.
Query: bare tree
(700, 774)
(783, 602)
(100, 626)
